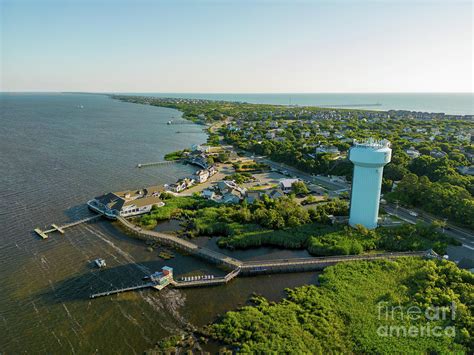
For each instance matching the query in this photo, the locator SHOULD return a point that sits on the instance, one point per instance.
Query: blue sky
(236, 46)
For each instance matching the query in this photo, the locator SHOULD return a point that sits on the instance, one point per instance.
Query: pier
(208, 282)
(124, 289)
(55, 228)
(157, 163)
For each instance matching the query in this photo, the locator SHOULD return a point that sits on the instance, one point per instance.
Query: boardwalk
(239, 267)
(187, 246)
(317, 263)
(213, 282)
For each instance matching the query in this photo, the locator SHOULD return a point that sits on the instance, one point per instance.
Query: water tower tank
(369, 158)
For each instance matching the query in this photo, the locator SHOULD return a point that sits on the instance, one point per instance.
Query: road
(465, 236)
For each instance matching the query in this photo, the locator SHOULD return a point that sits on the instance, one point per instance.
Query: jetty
(55, 228)
(157, 163)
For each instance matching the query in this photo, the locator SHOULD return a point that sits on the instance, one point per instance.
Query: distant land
(449, 103)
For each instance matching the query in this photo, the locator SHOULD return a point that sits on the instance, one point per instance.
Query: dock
(157, 163)
(125, 289)
(55, 228)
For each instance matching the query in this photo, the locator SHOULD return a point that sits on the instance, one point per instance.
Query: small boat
(100, 263)
(170, 122)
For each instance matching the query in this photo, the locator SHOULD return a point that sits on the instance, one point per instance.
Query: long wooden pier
(124, 289)
(55, 228)
(156, 163)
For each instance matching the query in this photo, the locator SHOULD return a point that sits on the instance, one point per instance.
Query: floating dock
(60, 229)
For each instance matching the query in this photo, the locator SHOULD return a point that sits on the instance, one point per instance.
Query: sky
(236, 46)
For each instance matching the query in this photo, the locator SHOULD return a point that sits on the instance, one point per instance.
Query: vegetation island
(247, 201)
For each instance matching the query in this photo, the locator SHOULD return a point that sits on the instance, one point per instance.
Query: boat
(100, 263)
(170, 122)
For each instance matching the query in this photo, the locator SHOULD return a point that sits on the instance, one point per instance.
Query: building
(369, 158)
(412, 153)
(163, 277)
(466, 170)
(252, 196)
(201, 176)
(438, 154)
(287, 184)
(127, 203)
(327, 150)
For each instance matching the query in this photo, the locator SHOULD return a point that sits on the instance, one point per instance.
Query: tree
(300, 188)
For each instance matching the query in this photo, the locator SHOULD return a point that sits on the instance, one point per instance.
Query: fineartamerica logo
(431, 314)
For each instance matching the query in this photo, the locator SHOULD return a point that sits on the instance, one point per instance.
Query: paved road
(463, 235)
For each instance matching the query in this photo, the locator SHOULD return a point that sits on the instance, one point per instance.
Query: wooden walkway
(213, 282)
(60, 229)
(124, 289)
(156, 163)
(187, 246)
(316, 263)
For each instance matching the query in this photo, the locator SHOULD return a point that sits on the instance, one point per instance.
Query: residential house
(413, 153)
(287, 184)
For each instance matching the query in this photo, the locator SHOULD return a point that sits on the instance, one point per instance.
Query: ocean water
(56, 152)
(449, 103)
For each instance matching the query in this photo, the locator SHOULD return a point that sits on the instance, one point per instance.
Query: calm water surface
(57, 151)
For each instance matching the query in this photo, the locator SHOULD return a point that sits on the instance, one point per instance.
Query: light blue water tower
(369, 158)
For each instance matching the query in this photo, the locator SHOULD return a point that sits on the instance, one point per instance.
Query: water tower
(369, 158)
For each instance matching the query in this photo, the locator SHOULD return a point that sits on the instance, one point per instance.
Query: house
(305, 134)
(232, 196)
(327, 150)
(127, 203)
(180, 185)
(412, 153)
(287, 184)
(252, 196)
(466, 170)
(201, 175)
(438, 154)
(270, 135)
(208, 194)
(274, 193)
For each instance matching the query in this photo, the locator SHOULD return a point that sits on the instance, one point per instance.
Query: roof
(288, 183)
